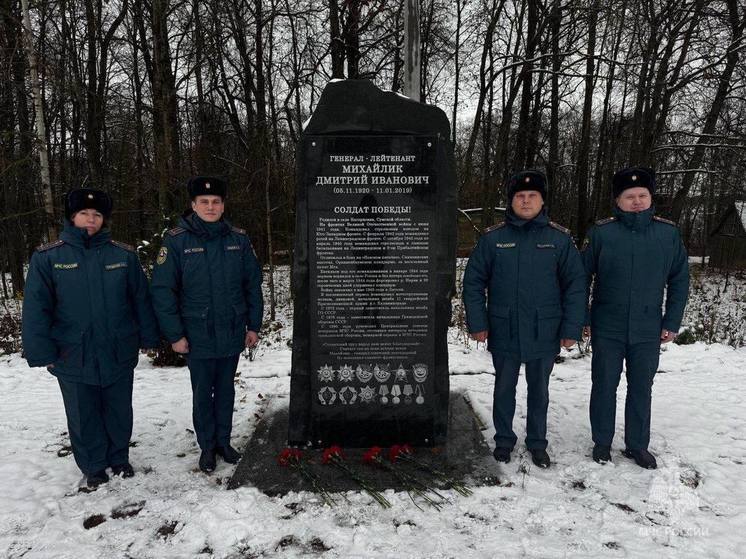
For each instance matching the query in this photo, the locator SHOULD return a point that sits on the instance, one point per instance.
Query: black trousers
(503, 403)
(642, 364)
(99, 420)
(212, 399)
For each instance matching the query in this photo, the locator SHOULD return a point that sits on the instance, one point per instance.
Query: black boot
(601, 454)
(97, 478)
(642, 458)
(540, 457)
(502, 454)
(229, 454)
(124, 470)
(207, 461)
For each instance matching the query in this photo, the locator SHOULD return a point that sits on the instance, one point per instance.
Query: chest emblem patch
(61, 266)
(162, 255)
(505, 245)
(116, 266)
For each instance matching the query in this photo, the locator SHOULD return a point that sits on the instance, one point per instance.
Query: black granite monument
(373, 271)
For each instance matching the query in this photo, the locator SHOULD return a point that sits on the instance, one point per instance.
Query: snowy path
(694, 505)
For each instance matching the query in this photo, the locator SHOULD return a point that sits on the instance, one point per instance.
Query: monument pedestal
(465, 456)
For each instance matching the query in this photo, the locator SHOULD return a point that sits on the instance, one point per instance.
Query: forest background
(138, 95)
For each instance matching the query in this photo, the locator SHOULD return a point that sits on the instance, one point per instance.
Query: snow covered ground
(692, 506)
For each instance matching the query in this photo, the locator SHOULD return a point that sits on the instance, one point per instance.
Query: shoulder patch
(605, 221)
(493, 227)
(47, 246)
(176, 231)
(238, 230)
(664, 220)
(125, 246)
(558, 227)
(162, 255)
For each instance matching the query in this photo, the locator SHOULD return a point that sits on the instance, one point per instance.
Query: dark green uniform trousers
(642, 363)
(99, 420)
(503, 403)
(212, 399)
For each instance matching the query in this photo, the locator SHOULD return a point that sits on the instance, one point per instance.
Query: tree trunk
(457, 71)
(351, 36)
(412, 50)
(553, 157)
(336, 43)
(396, 81)
(488, 205)
(165, 110)
(202, 148)
(270, 249)
(525, 132)
(261, 89)
(483, 88)
(604, 155)
(581, 181)
(296, 78)
(41, 131)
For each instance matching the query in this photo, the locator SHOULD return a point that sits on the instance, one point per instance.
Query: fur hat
(527, 180)
(201, 186)
(87, 198)
(631, 177)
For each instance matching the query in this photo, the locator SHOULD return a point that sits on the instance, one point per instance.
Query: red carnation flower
(372, 455)
(289, 456)
(332, 452)
(396, 451)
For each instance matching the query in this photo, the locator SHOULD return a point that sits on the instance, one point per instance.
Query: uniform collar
(201, 228)
(540, 220)
(637, 221)
(79, 237)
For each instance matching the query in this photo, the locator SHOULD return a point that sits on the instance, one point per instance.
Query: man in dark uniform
(631, 258)
(535, 302)
(86, 312)
(207, 295)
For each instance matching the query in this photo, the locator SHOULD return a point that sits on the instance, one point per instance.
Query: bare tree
(41, 130)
